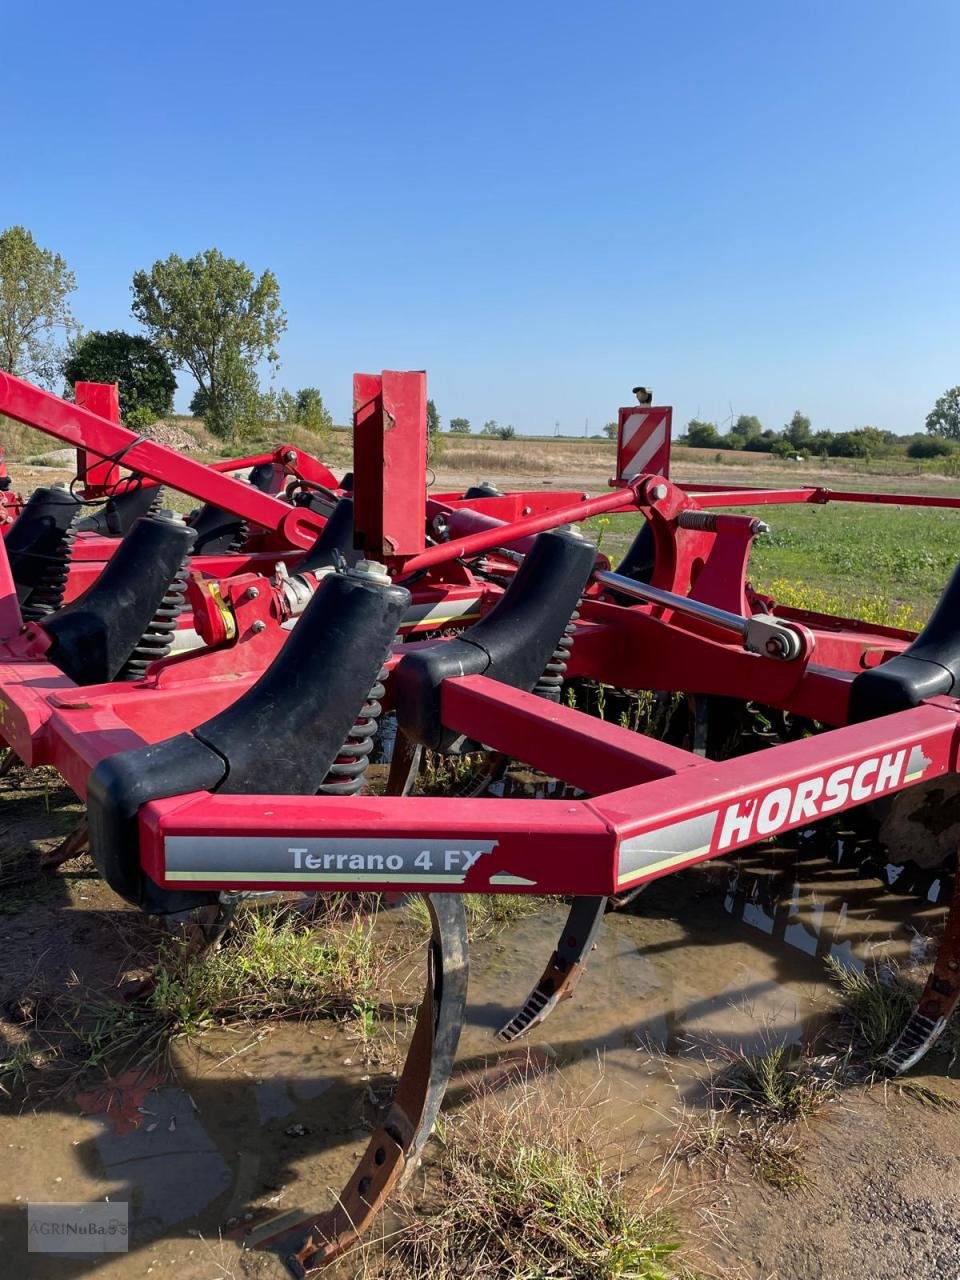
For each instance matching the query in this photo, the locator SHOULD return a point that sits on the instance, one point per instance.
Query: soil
(260, 1120)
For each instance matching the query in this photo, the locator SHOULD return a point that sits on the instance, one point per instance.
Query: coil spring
(348, 771)
(551, 682)
(47, 596)
(158, 501)
(157, 640)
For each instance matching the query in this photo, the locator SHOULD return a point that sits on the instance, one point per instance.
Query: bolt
(372, 570)
(759, 526)
(656, 492)
(526, 511)
(251, 593)
(290, 455)
(258, 626)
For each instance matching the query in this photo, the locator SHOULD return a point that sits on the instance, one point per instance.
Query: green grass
(876, 1003)
(850, 551)
(522, 1195)
(487, 913)
(276, 963)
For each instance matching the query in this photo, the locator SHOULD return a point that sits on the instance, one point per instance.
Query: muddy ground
(258, 1120)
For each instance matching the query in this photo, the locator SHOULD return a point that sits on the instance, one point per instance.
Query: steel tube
(618, 500)
(681, 604)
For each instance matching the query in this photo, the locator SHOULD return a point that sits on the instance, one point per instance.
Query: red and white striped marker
(643, 442)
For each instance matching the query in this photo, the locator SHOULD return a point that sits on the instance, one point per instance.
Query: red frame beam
(86, 430)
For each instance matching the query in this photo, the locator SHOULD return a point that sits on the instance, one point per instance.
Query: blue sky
(751, 207)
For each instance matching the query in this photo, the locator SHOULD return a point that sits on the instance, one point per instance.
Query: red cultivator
(171, 750)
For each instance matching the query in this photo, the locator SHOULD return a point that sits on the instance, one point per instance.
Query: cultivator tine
(77, 842)
(404, 765)
(937, 1002)
(397, 1142)
(564, 968)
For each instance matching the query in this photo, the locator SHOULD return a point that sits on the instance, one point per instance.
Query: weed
(275, 964)
(487, 913)
(775, 1157)
(876, 1003)
(775, 1083)
(445, 774)
(522, 1193)
(927, 1096)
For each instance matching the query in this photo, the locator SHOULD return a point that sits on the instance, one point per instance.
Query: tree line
(210, 315)
(216, 318)
(797, 438)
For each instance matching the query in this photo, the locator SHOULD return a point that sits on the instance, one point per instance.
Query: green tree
(930, 447)
(702, 435)
(944, 418)
(746, 429)
(212, 315)
(311, 411)
(490, 428)
(433, 418)
(34, 285)
(798, 431)
(748, 426)
(507, 433)
(285, 406)
(611, 429)
(138, 365)
(459, 426)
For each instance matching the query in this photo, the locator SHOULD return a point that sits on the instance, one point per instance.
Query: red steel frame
(652, 808)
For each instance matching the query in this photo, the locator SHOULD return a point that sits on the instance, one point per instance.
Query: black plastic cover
(95, 634)
(280, 737)
(218, 531)
(120, 513)
(37, 534)
(640, 557)
(512, 644)
(335, 538)
(928, 668)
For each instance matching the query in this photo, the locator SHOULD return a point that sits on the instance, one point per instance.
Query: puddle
(274, 1120)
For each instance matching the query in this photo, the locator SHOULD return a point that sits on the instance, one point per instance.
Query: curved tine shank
(311, 1243)
(404, 765)
(937, 1002)
(564, 968)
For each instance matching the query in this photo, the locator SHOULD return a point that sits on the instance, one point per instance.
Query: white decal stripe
(631, 427)
(328, 877)
(672, 861)
(640, 460)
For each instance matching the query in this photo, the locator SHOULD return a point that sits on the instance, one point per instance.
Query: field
(888, 563)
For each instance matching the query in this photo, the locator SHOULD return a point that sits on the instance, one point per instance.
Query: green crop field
(881, 563)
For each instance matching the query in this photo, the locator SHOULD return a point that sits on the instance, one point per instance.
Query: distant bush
(931, 447)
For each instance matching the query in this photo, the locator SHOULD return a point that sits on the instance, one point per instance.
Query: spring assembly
(551, 682)
(157, 641)
(158, 501)
(47, 596)
(348, 772)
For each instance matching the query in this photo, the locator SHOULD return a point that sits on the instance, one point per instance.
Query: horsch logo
(815, 797)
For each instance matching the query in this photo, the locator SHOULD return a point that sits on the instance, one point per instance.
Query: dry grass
(518, 1190)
